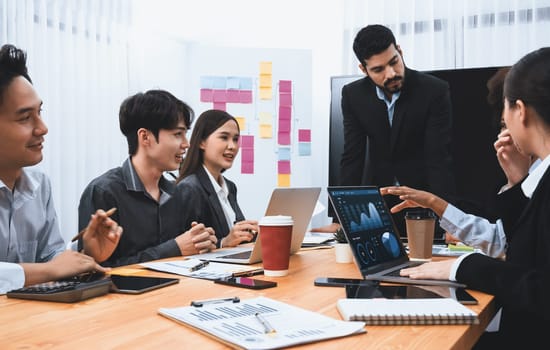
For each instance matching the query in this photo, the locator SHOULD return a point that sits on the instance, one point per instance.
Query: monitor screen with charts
(374, 241)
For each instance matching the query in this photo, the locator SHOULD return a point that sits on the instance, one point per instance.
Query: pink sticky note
(284, 125)
(283, 138)
(233, 96)
(220, 96)
(247, 167)
(246, 96)
(206, 95)
(284, 112)
(304, 135)
(247, 154)
(285, 99)
(285, 86)
(247, 141)
(283, 167)
(220, 105)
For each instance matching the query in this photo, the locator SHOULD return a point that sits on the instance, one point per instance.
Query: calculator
(69, 290)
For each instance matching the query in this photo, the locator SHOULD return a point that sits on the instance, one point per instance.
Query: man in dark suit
(397, 122)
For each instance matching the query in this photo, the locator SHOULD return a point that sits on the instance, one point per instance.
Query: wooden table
(131, 321)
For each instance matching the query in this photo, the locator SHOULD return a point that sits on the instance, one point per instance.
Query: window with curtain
(77, 58)
(446, 34)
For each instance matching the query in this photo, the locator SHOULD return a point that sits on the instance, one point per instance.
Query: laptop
(296, 202)
(368, 225)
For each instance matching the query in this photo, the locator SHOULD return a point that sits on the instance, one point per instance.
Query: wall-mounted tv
(478, 174)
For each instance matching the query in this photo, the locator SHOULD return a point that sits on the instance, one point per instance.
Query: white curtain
(77, 57)
(446, 34)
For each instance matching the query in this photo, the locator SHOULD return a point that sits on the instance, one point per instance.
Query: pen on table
(268, 329)
(199, 266)
(81, 233)
(200, 303)
(248, 273)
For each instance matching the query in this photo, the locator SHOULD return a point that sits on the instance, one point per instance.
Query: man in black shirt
(155, 125)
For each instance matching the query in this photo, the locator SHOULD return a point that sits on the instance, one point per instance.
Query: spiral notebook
(406, 311)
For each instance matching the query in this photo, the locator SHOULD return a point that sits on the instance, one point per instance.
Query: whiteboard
(254, 190)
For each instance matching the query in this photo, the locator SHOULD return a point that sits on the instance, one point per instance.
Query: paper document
(452, 250)
(262, 323)
(317, 238)
(212, 271)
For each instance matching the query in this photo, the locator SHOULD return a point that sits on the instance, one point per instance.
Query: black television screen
(477, 172)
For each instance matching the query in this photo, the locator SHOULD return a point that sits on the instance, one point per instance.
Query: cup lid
(420, 215)
(276, 220)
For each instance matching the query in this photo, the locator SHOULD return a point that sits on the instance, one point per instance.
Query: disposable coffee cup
(275, 238)
(420, 234)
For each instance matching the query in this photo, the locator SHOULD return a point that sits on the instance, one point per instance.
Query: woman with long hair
(206, 195)
(520, 283)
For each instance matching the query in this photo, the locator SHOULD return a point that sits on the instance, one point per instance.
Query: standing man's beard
(391, 86)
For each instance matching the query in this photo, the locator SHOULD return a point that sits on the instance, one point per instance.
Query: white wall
(285, 24)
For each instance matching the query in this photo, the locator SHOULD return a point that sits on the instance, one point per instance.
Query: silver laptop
(368, 225)
(296, 202)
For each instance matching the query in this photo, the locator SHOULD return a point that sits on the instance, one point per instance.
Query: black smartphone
(246, 282)
(341, 282)
(139, 284)
(462, 295)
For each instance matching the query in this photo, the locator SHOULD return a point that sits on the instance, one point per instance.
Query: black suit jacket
(415, 150)
(199, 202)
(521, 283)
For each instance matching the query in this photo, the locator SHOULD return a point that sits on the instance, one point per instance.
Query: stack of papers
(453, 250)
(314, 239)
(212, 271)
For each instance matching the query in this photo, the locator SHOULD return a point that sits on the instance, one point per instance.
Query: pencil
(81, 233)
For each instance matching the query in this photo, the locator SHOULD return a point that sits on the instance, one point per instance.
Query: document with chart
(261, 323)
(208, 270)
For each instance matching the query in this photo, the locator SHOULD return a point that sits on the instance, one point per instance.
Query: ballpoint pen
(268, 329)
(199, 266)
(81, 233)
(200, 303)
(254, 272)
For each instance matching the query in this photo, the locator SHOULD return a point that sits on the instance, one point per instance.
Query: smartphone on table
(341, 282)
(246, 282)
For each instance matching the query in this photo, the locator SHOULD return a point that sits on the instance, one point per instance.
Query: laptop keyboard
(241, 255)
(395, 273)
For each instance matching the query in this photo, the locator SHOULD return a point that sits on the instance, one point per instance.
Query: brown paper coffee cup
(275, 238)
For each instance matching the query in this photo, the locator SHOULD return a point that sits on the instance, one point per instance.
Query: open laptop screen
(368, 226)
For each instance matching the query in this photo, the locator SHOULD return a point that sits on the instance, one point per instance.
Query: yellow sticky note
(265, 118)
(265, 93)
(266, 131)
(265, 80)
(265, 67)
(283, 180)
(242, 122)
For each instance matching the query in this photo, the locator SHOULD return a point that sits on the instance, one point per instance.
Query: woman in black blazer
(204, 193)
(521, 282)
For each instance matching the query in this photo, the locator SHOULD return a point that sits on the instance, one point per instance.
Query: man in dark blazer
(397, 122)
